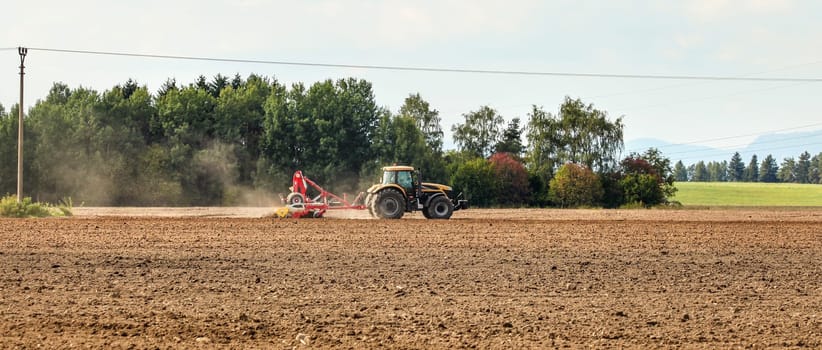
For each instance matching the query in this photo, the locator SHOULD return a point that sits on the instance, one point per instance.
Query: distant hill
(780, 146)
(785, 145)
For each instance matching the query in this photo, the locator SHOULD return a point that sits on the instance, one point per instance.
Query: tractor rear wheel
(369, 204)
(389, 204)
(440, 208)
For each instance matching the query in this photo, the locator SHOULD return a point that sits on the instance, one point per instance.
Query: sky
(716, 38)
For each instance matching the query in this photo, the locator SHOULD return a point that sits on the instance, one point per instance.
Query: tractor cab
(404, 176)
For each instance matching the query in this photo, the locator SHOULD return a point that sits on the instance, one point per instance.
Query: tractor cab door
(405, 180)
(416, 180)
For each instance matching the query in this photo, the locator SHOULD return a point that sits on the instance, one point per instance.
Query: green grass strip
(748, 194)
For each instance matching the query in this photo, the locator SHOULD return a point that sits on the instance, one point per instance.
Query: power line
(436, 70)
(7, 48)
(793, 66)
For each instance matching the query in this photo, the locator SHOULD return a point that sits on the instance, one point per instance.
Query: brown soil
(235, 278)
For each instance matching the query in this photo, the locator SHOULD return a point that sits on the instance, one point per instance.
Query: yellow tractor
(402, 191)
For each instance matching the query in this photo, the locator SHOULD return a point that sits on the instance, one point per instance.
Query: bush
(575, 186)
(476, 179)
(613, 195)
(640, 171)
(538, 186)
(511, 178)
(643, 188)
(9, 207)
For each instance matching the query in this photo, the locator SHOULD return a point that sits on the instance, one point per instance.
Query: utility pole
(22, 51)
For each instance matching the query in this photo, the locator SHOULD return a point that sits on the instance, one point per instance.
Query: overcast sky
(726, 38)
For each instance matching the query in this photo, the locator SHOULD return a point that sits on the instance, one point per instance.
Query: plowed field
(234, 278)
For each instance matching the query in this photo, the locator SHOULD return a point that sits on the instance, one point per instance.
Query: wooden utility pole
(22, 51)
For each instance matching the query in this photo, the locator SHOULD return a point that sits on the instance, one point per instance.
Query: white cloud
(402, 24)
(682, 44)
(707, 9)
(710, 10)
(749, 35)
(770, 6)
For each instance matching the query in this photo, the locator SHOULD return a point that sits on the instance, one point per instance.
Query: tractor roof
(398, 168)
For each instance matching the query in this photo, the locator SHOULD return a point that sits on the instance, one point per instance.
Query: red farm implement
(299, 202)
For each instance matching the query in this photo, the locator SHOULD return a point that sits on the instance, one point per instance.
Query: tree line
(235, 140)
(805, 169)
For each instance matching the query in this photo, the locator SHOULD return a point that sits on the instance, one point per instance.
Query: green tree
(397, 140)
(612, 188)
(662, 167)
(326, 130)
(803, 168)
(511, 141)
(90, 146)
(680, 172)
(427, 120)
(239, 115)
(126, 113)
(768, 170)
(538, 189)
(201, 83)
(480, 132)
(752, 171)
(574, 186)
(58, 132)
(157, 180)
(8, 155)
(700, 173)
(170, 84)
(815, 173)
(542, 150)
(639, 169)
(717, 171)
(237, 81)
(641, 189)
(580, 134)
(736, 169)
(187, 119)
(475, 179)
(8, 150)
(84, 145)
(217, 84)
(454, 159)
(787, 171)
(285, 134)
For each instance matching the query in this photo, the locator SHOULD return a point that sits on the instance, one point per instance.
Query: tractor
(401, 191)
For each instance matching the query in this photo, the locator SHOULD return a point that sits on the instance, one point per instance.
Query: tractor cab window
(389, 177)
(404, 180)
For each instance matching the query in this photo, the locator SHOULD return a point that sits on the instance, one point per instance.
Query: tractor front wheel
(440, 208)
(389, 204)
